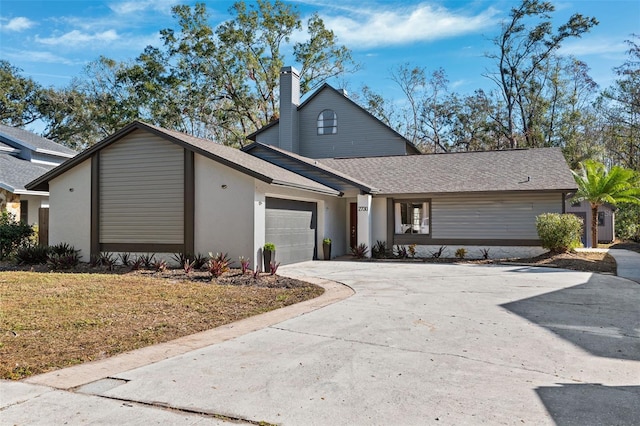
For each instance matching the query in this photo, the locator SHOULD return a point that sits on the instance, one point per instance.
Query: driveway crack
(519, 367)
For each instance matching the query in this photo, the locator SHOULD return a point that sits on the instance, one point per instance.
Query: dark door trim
(353, 225)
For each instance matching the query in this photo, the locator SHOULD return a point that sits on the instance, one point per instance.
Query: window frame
(425, 215)
(601, 218)
(24, 211)
(321, 123)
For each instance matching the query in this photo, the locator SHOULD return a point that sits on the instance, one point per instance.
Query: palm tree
(598, 186)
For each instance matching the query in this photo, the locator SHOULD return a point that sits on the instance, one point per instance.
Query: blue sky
(51, 41)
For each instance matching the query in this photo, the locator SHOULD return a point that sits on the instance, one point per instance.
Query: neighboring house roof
(16, 173)
(228, 156)
(4, 148)
(543, 169)
(313, 169)
(327, 86)
(18, 138)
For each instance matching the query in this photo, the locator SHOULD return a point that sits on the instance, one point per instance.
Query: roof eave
(327, 191)
(485, 192)
(361, 187)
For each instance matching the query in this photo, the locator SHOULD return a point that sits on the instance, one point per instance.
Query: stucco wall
(379, 220)
(70, 209)
(331, 215)
(35, 202)
(224, 218)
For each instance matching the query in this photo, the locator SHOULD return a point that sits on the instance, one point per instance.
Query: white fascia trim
(56, 153)
(27, 192)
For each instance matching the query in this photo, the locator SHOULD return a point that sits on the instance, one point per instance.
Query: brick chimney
(289, 102)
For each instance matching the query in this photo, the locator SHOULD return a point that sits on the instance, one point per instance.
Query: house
(326, 168)
(606, 220)
(23, 157)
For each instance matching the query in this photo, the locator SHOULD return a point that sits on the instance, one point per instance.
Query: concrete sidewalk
(628, 264)
(417, 344)
(627, 261)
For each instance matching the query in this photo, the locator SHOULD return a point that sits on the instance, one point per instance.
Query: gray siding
(606, 232)
(269, 136)
(141, 191)
(507, 216)
(359, 134)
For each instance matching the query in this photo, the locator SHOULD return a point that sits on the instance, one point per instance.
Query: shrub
(63, 256)
(218, 264)
(559, 232)
(628, 222)
(199, 261)
(188, 266)
(137, 263)
(401, 252)
(125, 259)
(326, 241)
(485, 253)
(379, 249)
(147, 260)
(244, 264)
(438, 253)
(107, 259)
(461, 253)
(273, 267)
(160, 265)
(412, 250)
(13, 234)
(31, 255)
(360, 251)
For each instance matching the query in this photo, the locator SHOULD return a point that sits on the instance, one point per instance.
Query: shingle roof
(314, 164)
(543, 169)
(228, 156)
(16, 136)
(16, 173)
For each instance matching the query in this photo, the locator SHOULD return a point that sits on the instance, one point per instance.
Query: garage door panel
(290, 225)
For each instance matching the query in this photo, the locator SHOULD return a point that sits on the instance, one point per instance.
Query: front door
(353, 224)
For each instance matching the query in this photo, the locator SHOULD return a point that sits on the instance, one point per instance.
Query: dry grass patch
(51, 320)
(579, 261)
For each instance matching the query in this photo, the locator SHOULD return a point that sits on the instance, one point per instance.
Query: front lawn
(53, 320)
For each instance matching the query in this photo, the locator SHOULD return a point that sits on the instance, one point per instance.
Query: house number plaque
(363, 209)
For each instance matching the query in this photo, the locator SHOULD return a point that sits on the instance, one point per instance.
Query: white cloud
(38, 56)
(17, 24)
(136, 6)
(368, 27)
(591, 46)
(77, 38)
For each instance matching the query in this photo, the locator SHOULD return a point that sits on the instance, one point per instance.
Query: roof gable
(342, 98)
(225, 155)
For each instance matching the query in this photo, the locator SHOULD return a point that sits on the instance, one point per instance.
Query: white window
(411, 217)
(327, 122)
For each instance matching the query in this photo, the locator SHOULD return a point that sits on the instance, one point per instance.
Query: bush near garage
(559, 233)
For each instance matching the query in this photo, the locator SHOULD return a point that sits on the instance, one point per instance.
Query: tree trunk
(594, 225)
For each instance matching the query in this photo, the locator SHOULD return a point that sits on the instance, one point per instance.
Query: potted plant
(269, 254)
(326, 248)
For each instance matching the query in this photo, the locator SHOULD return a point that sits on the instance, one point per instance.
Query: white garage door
(291, 226)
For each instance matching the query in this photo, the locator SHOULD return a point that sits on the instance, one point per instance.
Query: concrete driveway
(419, 344)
